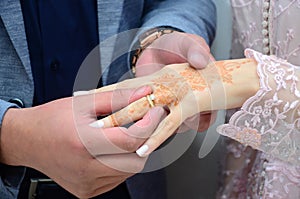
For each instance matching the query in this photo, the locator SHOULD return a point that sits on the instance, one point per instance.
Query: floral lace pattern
(269, 122)
(267, 26)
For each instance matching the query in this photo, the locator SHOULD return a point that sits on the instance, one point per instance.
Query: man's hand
(56, 138)
(174, 48)
(177, 48)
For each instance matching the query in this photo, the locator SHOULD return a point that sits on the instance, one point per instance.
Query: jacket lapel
(109, 18)
(11, 14)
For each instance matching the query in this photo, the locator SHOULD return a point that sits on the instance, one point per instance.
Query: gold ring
(150, 99)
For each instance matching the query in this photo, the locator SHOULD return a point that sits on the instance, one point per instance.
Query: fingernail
(97, 124)
(79, 93)
(142, 151)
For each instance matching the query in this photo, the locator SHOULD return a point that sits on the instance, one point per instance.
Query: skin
(57, 130)
(174, 48)
(60, 143)
(221, 85)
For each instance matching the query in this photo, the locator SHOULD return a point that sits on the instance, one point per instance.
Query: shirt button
(265, 41)
(266, 50)
(266, 5)
(265, 32)
(54, 65)
(265, 24)
(265, 15)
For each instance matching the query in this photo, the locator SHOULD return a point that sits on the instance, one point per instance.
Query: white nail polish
(79, 93)
(97, 124)
(142, 151)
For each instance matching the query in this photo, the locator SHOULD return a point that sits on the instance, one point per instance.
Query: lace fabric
(268, 122)
(271, 27)
(268, 26)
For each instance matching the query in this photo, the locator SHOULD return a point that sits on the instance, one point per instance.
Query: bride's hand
(185, 92)
(178, 47)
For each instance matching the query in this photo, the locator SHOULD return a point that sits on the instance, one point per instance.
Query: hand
(199, 122)
(56, 139)
(175, 48)
(180, 89)
(186, 92)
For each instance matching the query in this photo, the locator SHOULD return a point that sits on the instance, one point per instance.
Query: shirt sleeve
(270, 120)
(191, 16)
(10, 176)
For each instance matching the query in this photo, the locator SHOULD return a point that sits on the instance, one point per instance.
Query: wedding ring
(150, 99)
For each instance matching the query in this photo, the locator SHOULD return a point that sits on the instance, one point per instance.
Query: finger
(200, 40)
(201, 121)
(206, 120)
(168, 49)
(126, 84)
(183, 128)
(196, 51)
(105, 189)
(165, 129)
(133, 112)
(107, 102)
(110, 101)
(145, 127)
(119, 139)
(126, 163)
(102, 185)
(103, 182)
(198, 58)
(107, 88)
(140, 131)
(187, 48)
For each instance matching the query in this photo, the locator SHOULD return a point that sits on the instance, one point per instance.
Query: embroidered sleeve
(269, 120)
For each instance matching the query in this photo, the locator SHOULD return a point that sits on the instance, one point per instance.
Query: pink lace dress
(269, 122)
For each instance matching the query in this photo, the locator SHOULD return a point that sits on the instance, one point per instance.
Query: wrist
(12, 137)
(245, 83)
(229, 84)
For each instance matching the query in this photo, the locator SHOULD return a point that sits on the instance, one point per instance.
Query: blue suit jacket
(114, 16)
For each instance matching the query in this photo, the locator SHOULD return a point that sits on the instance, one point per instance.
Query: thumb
(198, 57)
(196, 50)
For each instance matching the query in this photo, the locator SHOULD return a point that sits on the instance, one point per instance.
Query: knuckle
(83, 194)
(169, 125)
(132, 144)
(78, 147)
(139, 166)
(85, 190)
(120, 94)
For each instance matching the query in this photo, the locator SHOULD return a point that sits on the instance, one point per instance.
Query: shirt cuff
(10, 176)
(4, 106)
